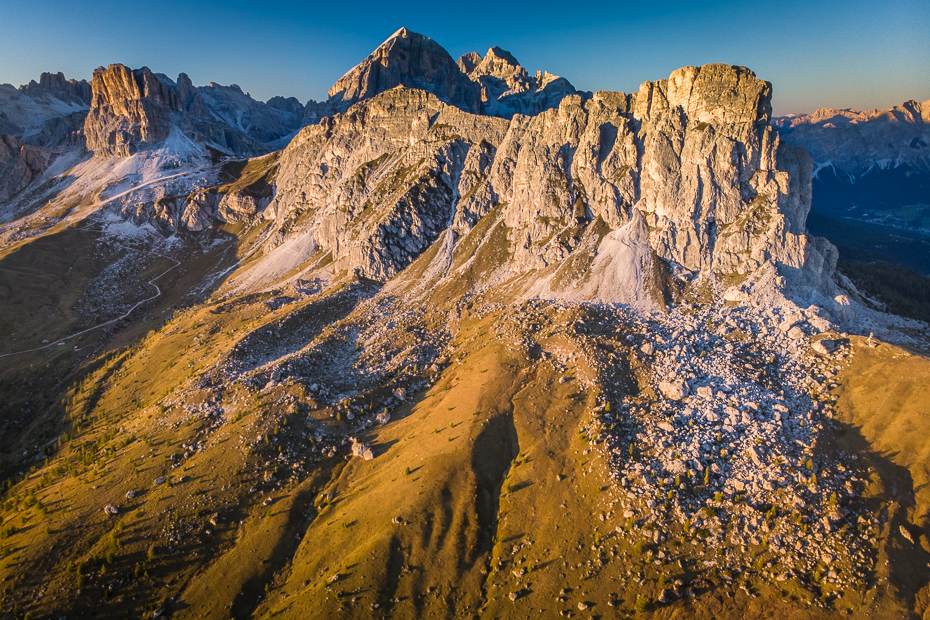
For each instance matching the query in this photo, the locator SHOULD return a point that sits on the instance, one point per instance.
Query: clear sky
(831, 53)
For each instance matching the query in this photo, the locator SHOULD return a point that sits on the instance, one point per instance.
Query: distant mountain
(407, 59)
(857, 142)
(47, 112)
(871, 182)
(495, 85)
(507, 88)
(123, 110)
(878, 159)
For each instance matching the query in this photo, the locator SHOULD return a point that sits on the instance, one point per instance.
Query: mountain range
(457, 341)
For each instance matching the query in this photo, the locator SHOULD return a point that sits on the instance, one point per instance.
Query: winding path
(59, 341)
(81, 214)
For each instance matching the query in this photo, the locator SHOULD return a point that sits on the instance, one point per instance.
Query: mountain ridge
(426, 362)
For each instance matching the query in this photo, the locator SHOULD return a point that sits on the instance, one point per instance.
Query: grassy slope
(499, 481)
(503, 495)
(884, 407)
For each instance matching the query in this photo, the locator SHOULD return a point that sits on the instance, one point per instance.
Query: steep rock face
(689, 168)
(507, 88)
(287, 104)
(376, 185)
(134, 108)
(407, 59)
(20, 164)
(855, 141)
(129, 108)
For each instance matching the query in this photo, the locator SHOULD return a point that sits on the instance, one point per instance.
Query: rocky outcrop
(411, 60)
(507, 88)
(855, 141)
(377, 185)
(133, 109)
(20, 164)
(685, 177)
(128, 109)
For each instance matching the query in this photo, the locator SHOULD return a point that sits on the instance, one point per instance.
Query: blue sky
(837, 54)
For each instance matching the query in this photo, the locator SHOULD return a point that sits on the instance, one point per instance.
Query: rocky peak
(46, 113)
(132, 108)
(594, 195)
(412, 60)
(287, 104)
(499, 63)
(118, 84)
(56, 85)
(469, 61)
(507, 88)
(715, 93)
(129, 108)
(191, 99)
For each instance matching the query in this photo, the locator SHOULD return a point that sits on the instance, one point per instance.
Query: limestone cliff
(58, 86)
(46, 113)
(128, 108)
(693, 158)
(20, 164)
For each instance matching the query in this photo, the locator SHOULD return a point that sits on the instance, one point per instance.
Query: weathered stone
(362, 450)
(675, 389)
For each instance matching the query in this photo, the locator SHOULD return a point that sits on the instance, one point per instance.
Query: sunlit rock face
(411, 60)
(128, 108)
(131, 109)
(689, 168)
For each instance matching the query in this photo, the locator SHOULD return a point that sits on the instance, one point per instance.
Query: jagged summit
(132, 109)
(46, 113)
(60, 87)
(508, 89)
(406, 59)
(590, 199)
(495, 85)
(497, 58)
